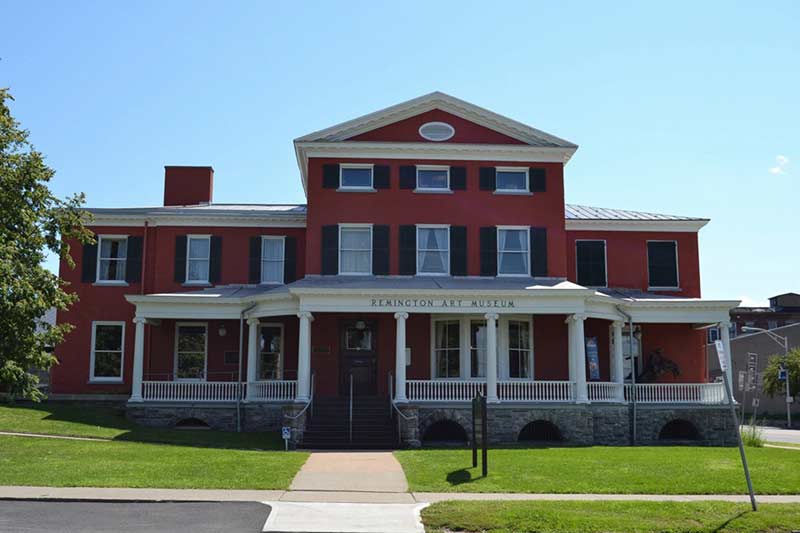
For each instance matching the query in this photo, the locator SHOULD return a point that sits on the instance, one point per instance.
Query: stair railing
(394, 409)
(351, 408)
(308, 405)
(391, 395)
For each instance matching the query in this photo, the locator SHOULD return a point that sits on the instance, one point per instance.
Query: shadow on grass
(728, 522)
(459, 477)
(113, 418)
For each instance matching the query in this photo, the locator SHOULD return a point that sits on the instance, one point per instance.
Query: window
(662, 264)
(590, 257)
(271, 357)
(477, 348)
(358, 338)
(511, 180)
(355, 249)
(355, 177)
(108, 340)
(512, 251)
(447, 348)
(714, 334)
(436, 131)
(433, 178)
(628, 355)
(191, 343)
(112, 253)
(198, 252)
(272, 256)
(433, 250)
(519, 349)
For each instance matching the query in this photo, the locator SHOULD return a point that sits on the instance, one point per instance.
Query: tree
(32, 222)
(772, 385)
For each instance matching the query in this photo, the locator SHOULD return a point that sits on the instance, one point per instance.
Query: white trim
(524, 170)
(206, 281)
(527, 231)
(97, 280)
(416, 237)
(101, 379)
(281, 238)
(605, 259)
(362, 188)
(354, 226)
(434, 168)
(194, 220)
(650, 287)
(437, 123)
(504, 330)
(175, 359)
(677, 226)
(281, 354)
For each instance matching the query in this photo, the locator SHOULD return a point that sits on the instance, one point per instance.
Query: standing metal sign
(750, 383)
(480, 433)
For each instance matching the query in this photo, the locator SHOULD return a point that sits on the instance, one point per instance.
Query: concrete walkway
(376, 472)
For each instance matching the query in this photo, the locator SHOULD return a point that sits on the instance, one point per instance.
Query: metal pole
(351, 408)
(729, 392)
(788, 395)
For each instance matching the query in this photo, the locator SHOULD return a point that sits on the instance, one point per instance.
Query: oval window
(436, 131)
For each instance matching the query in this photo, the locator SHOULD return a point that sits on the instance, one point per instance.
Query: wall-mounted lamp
(360, 325)
(222, 331)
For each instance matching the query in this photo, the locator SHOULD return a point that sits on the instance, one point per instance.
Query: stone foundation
(255, 416)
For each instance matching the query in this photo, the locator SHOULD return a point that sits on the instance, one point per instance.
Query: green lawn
(787, 444)
(135, 456)
(605, 470)
(610, 517)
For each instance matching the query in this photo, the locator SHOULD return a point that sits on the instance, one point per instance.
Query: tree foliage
(32, 222)
(771, 385)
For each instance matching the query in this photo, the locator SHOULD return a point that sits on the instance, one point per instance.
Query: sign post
(480, 436)
(286, 434)
(723, 365)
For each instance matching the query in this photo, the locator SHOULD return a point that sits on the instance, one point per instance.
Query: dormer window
(436, 131)
(355, 177)
(433, 178)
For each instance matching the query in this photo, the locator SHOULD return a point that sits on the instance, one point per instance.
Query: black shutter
(180, 258)
(662, 264)
(289, 259)
(330, 250)
(539, 252)
(537, 180)
(330, 176)
(408, 177)
(215, 263)
(380, 177)
(488, 179)
(89, 263)
(254, 275)
(488, 239)
(458, 178)
(380, 250)
(133, 263)
(458, 250)
(590, 258)
(408, 250)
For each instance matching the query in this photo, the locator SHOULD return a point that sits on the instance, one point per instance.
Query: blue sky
(678, 107)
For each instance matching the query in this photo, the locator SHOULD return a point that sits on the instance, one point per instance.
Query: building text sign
(443, 303)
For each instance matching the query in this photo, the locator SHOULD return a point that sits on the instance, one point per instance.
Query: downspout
(633, 374)
(239, 378)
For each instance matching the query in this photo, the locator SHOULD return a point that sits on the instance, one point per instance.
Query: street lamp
(782, 341)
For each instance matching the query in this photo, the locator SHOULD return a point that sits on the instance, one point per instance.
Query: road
(141, 517)
(773, 434)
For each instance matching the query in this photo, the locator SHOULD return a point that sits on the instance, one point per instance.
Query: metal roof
(583, 212)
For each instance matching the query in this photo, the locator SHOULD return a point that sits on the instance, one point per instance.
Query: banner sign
(723, 360)
(592, 358)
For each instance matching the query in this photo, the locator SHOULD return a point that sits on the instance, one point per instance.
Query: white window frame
(605, 259)
(370, 187)
(463, 347)
(280, 352)
(432, 189)
(527, 231)
(525, 191)
(355, 226)
(437, 123)
(175, 358)
(447, 263)
(264, 238)
(102, 379)
(188, 248)
(98, 281)
(504, 350)
(677, 267)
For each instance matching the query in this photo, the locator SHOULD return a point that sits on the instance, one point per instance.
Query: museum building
(435, 260)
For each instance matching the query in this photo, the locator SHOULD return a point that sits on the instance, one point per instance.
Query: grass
(609, 517)
(787, 444)
(135, 456)
(604, 470)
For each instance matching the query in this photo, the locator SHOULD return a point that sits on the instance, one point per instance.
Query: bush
(753, 436)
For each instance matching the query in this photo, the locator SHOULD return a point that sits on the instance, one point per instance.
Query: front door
(359, 359)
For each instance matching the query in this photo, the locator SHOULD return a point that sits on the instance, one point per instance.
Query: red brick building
(435, 259)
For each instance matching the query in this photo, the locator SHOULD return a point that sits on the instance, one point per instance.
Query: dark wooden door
(359, 359)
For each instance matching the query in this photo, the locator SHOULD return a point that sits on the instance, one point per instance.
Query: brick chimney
(188, 185)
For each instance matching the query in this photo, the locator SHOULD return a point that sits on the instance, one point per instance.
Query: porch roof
(431, 283)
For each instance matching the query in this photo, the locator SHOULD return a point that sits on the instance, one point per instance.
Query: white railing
(195, 391)
(602, 391)
(272, 390)
(694, 393)
(422, 390)
(535, 391)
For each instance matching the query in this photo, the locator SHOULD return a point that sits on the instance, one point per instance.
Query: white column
(725, 332)
(617, 360)
(138, 360)
(579, 351)
(400, 358)
(491, 357)
(304, 358)
(252, 355)
(571, 347)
